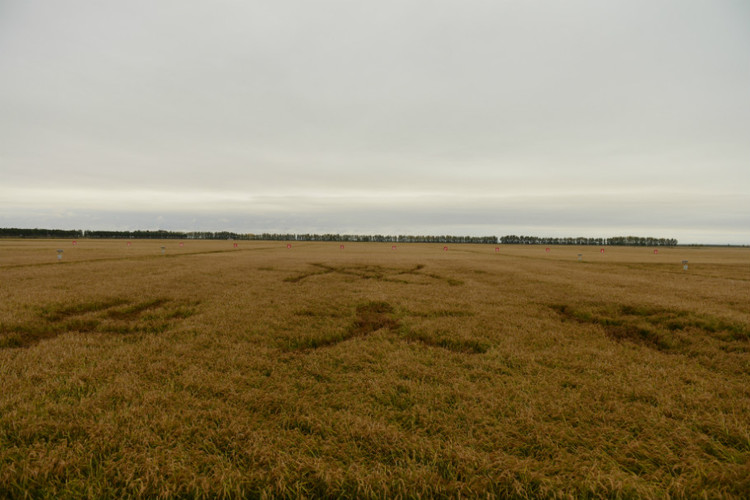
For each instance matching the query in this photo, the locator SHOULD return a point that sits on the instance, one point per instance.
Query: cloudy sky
(480, 117)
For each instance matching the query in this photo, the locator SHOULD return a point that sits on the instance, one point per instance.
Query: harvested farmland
(267, 371)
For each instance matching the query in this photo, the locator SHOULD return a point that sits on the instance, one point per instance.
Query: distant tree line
(227, 235)
(614, 240)
(14, 232)
(384, 238)
(642, 242)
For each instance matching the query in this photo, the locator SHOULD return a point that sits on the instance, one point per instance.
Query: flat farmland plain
(367, 371)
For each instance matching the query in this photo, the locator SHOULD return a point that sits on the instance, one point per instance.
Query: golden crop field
(372, 372)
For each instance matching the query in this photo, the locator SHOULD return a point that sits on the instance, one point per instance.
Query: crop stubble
(312, 371)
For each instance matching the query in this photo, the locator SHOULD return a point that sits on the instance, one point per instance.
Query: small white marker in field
(684, 265)
(162, 250)
(59, 254)
(580, 256)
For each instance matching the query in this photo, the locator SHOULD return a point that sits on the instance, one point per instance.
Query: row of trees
(226, 235)
(614, 240)
(641, 241)
(14, 232)
(384, 238)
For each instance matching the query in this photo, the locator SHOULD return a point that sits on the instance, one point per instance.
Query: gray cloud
(554, 116)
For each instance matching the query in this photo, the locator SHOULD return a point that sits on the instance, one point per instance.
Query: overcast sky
(562, 118)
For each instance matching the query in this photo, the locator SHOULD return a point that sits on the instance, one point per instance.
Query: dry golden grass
(264, 371)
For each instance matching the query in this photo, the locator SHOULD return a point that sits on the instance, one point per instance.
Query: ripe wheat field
(369, 372)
